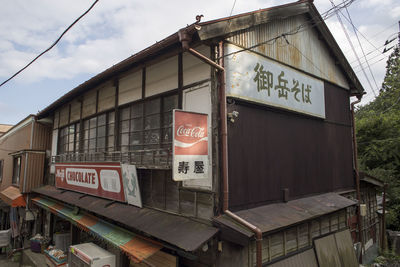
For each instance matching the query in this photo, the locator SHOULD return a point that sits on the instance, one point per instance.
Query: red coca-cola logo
(189, 131)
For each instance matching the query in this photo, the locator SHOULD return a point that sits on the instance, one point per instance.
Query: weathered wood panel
(106, 97)
(89, 103)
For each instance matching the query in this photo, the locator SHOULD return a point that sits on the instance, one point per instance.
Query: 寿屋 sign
(190, 145)
(256, 78)
(110, 180)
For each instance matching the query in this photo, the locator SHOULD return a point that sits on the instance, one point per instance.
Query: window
(16, 170)
(1, 170)
(147, 125)
(69, 139)
(98, 133)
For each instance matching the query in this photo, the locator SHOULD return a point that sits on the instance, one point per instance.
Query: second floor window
(16, 170)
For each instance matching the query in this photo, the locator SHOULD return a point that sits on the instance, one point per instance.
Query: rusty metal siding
(270, 150)
(41, 137)
(34, 171)
(314, 58)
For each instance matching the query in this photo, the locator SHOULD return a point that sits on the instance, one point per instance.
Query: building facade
(275, 89)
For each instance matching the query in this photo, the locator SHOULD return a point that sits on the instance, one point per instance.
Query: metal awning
(280, 215)
(13, 197)
(180, 232)
(136, 247)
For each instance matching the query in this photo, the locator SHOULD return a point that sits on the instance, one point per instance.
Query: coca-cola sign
(190, 145)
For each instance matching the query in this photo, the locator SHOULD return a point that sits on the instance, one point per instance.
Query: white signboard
(131, 185)
(190, 145)
(256, 78)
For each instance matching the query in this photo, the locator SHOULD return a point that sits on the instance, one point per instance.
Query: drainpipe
(185, 38)
(355, 161)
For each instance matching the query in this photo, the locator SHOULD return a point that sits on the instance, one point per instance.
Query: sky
(114, 30)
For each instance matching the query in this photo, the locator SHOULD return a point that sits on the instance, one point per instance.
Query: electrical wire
(48, 49)
(352, 47)
(362, 49)
(230, 14)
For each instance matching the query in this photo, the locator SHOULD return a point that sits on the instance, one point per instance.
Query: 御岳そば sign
(258, 79)
(190, 145)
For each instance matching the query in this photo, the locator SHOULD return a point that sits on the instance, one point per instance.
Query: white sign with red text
(111, 180)
(190, 145)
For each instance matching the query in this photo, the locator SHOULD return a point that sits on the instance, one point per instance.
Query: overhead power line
(362, 49)
(48, 49)
(352, 47)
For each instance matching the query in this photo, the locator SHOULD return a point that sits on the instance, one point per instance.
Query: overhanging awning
(13, 197)
(137, 247)
(178, 231)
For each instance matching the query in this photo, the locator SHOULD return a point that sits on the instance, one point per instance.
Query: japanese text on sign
(255, 78)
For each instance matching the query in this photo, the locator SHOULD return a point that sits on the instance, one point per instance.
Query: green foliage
(378, 136)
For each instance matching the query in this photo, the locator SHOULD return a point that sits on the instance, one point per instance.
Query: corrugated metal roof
(280, 215)
(179, 231)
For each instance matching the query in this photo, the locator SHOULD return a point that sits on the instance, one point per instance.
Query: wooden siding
(20, 140)
(270, 150)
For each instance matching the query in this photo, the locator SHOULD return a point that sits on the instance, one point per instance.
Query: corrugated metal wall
(314, 57)
(34, 172)
(270, 150)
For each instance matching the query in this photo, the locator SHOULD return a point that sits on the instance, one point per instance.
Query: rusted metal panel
(179, 231)
(270, 150)
(35, 171)
(303, 259)
(305, 51)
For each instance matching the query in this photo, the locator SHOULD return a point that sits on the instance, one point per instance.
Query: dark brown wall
(270, 150)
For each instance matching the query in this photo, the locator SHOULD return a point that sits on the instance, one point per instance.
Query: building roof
(276, 216)
(181, 232)
(5, 127)
(216, 29)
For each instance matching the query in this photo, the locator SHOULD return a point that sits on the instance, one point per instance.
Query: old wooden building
(274, 89)
(22, 165)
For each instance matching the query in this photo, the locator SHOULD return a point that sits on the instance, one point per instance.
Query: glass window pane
(101, 144)
(101, 131)
(93, 122)
(124, 127)
(136, 124)
(124, 115)
(71, 147)
(77, 127)
(92, 133)
(170, 102)
(137, 110)
(136, 138)
(111, 117)
(152, 107)
(86, 124)
(101, 120)
(152, 137)
(167, 135)
(92, 143)
(167, 119)
(110, 141)
(110, 129)
(86, 134)
(124, 139)
(152, 122)
(85, 145)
